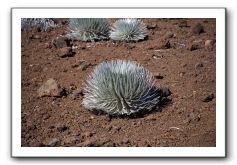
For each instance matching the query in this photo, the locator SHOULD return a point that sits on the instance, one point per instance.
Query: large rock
(61, 42)
(49, 88)
(66, 52)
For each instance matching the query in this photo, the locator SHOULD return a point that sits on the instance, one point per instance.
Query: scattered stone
(66, 52)
(88, 134)
(61, 128)
(51, 127)
(151, 118)
(184, 65)
(85, 66)
(166, 92)
(208, 98)
(183, 23)
(210, 45)
(193, 117)
(125, 141)
(49, 88)
(181, 74)
(47, 45)
(79, 63)
(88, 143)
(205, 21)
(77, 94)
(198, 65)
(199, 41)
(46, 116)
(69, 139)
(35, 36)
(82, 46)
(168, 35)
(54, 142)
(116, 128)
(72, 87)
(61, 42)
(197, 29)
(157, 56)
(108, 127)
(151, 26)
(63, 92)
(158, 76)
(142, 143)
(164, 44)
(130, 47)
(193, 46)
(107, 143)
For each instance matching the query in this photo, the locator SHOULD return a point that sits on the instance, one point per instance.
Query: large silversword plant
(129, 29)
(88, 29)
(42, 24)
(121, 88)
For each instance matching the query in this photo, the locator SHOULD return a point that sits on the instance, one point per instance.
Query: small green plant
(128, 30)
(88, 29)
(121, 88)
(43, 24)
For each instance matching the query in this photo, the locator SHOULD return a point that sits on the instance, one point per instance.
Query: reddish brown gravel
(180, 53)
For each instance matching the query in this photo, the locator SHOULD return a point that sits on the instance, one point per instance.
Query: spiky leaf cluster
(43, 24)
(129, 29)
(120, 87)
(89, 29)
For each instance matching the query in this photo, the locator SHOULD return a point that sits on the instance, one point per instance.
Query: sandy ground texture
(180, 53)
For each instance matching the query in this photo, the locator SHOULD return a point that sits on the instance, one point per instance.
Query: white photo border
(218, 151)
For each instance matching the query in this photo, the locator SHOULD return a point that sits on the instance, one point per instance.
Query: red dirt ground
(174, 49)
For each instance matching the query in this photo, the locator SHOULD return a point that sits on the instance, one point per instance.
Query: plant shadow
(141, 114)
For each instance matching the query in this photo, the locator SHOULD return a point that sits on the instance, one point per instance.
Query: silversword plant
(121, 88)
(88, 29)
(129, 29)
(42, 24)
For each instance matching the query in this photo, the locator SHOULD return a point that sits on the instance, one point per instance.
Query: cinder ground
(174, 50)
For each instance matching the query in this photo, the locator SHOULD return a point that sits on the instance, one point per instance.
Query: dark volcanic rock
(61, 42)
(208, 98)
(197, 29)
(66, 52)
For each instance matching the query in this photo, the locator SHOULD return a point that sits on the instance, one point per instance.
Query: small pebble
(61, 128)
(208, 98)
(183, 23)
(53, 142)
(198, 65)
(210, 45)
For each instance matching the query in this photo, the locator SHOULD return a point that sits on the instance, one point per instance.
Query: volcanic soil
(180, 53)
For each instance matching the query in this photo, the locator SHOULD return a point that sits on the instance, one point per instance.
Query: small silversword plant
(42, 24)
(88, 29)
(121, 88)
(129, 29)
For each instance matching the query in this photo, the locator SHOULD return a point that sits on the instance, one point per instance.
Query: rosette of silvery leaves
(42, 24)
(88, 29)
(121, 88)
(130, 29)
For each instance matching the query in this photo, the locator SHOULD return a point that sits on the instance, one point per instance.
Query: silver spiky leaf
(129, 29)
(41, 23)
(88, 29)
(120, 87)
